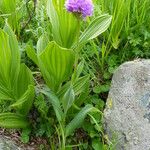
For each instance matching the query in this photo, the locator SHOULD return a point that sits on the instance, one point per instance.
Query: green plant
(128, 17)
(16, 82)
(8, 8)
(65, 91)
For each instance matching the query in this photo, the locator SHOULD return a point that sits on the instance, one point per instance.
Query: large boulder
(127, 114)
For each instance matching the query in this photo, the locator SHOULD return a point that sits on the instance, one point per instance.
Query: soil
(34, 144)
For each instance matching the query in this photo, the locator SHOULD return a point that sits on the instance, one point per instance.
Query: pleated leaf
(24, 104)
(68, 99)
(80, 84)
(9, 62)
(78, 120)
(31, 54)
(25, 79)
(5, 61)
(64, 25)
(52, 14)
(15, 54)
(9, 7)
(12, 120)
(53, 99)
(77, 71)
(56, 64)
(5, 94)
(42, 43)
(96, 27)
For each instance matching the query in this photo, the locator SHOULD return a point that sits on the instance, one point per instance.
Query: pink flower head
(84, 7)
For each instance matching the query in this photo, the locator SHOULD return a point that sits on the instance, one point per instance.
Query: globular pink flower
(84, 7)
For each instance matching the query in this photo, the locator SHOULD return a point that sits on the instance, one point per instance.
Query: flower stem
(77, 47)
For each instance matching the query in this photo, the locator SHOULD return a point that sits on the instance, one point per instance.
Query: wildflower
(83, 7)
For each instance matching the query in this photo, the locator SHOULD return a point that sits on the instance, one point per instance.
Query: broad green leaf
(96, 27)
(69, 27)
(9, 7)
(42, 43)
(5, 94)
(24, 91)
(12, 120)
(63, 89)
(78, 71)
(68, 99)
(25, 79)
(53, 99)
(78, 119)
(9, 62)
(4, 97)
(25, 102)
(5, 60)
(81, 84)
(52, 14)
(83, 94)
(65, 25)
(56, 64)
(14, 78)
(15, 54)
(32, 54)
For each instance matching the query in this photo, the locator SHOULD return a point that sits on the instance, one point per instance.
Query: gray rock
(127, 114)
(6, 144)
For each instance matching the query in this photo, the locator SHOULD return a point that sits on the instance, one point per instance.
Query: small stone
(6, 144)
(127, 114)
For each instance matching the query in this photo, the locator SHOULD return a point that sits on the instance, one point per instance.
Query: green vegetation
(61, 95)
